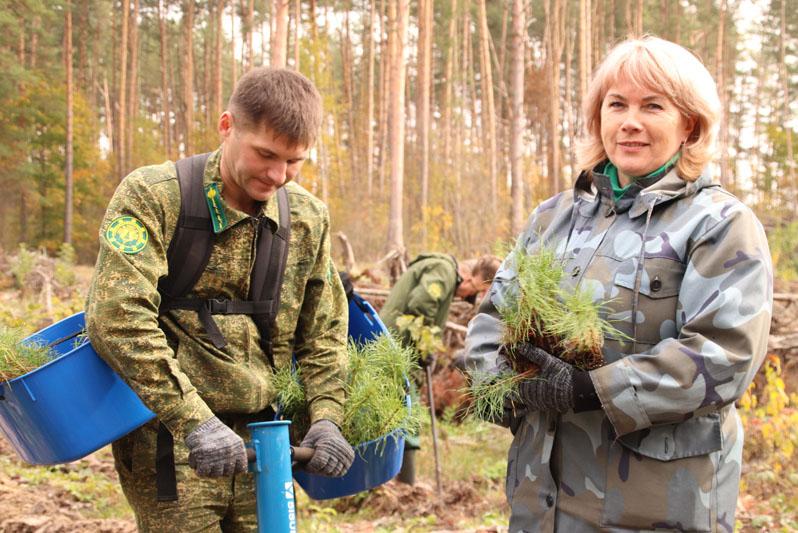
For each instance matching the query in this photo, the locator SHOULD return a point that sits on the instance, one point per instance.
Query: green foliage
(783, 242)
(491, 392)
(16, 358)
(426, 339)
(375, 391)
(22, 265)
(65, 266)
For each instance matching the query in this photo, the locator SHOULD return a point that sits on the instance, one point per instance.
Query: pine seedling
(491, 391)
(17, 358)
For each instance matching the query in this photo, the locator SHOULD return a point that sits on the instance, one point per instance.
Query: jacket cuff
(186, 417)
(618, 396)
(328, 409)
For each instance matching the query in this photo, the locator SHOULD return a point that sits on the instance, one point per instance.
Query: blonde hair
(669, 69)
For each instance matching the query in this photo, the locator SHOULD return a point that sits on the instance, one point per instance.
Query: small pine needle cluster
(376, 387)
(16, 358)
(565, 323)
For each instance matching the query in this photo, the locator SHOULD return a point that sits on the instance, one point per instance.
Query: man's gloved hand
(215, 450)
(553, 388)
(333, 455)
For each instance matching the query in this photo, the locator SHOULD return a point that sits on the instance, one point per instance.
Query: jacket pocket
(664, 477)
(657, 302)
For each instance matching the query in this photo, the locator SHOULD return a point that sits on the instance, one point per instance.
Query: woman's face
(641, 129)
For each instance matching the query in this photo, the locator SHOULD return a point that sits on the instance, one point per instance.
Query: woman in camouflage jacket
(651, 440)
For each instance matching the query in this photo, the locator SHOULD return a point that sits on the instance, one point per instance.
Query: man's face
(470, 286)
(255, 162)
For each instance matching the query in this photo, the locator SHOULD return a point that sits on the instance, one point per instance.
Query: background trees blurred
(446, 121)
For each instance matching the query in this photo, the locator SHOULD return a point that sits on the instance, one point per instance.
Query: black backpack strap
(269, 270)
(191, 243)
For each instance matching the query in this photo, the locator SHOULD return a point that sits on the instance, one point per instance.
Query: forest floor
(84, 496)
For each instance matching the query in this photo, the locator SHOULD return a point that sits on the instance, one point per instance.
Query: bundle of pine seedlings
(375, 386)
(565, 323)
(17, 358)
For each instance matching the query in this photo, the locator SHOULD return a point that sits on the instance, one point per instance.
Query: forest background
(437, 112)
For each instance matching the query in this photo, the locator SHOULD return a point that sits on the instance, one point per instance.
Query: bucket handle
(299, 455)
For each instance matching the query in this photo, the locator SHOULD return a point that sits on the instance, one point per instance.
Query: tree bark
(518, 118)
(489, 107)
(370, 99)
(121, 99)
(68, 177)
(425, 29)
(555, 19)
(132, 80)
(279, 41)
(785, 85)
(217, 62)
(720, 78)
(397, 30)
(166, 120)
(188, 76)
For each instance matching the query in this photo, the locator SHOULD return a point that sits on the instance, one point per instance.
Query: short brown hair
(669, 69)
(485, 267)
(283, 100)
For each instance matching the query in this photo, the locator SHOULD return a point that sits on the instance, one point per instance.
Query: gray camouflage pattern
(691, 263)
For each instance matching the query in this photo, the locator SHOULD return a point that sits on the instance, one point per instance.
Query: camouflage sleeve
(430, 292)
(725, 303)
(122, 305)
(321, 336)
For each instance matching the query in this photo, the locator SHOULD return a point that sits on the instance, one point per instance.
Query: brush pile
(376, 387)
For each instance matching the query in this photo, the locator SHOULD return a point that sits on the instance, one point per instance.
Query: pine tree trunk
(518, 118)
(425, 29)
(234, 66)
(132, 80)
(785, 84)
(217, 63)
(68, 178)
(121, 99)
(555, 15)
(448, 90)
(720, 78)
(188, 76)
(489, 107)
(279, 41)
(397, 30)
(166, 114)
(370, 100)
(297, 31)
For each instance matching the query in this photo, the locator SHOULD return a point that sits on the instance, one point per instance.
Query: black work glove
(214, 450)
(333, 455)
(553, 388)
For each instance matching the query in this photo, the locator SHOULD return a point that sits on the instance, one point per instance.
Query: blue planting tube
(274, 485)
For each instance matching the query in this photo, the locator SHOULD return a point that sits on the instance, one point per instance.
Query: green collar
(611, 171)
(222, 215)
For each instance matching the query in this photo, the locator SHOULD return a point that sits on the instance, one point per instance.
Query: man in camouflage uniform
(426, 290)
(651, 440)
(204, 395)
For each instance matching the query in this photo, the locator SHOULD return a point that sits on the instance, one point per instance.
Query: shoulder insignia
(216, 207)
(435, 290)
(127, 234)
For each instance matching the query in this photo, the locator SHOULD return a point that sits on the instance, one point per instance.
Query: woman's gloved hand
(333, 455)
(553, 388)
(214, 450)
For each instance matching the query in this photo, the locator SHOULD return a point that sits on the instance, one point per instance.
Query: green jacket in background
(169, 360)
(426, 289)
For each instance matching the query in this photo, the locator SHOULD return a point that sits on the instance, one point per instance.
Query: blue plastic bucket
(71, 406)
(376, 461)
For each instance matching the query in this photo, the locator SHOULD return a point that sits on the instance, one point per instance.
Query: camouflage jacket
(691, 263)
(426, 289)
(169, 361)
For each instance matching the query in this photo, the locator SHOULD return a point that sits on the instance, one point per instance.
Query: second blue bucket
(376, 461)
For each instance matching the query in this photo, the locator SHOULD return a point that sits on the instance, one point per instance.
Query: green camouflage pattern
(203, 504)
(426, 289)
(169, 361)
(692, 264)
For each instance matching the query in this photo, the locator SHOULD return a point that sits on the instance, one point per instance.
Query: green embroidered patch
(127, 234)
(214, 198)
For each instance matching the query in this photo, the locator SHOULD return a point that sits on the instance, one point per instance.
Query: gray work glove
(333, 455)
(214, 450)
(553, 388)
